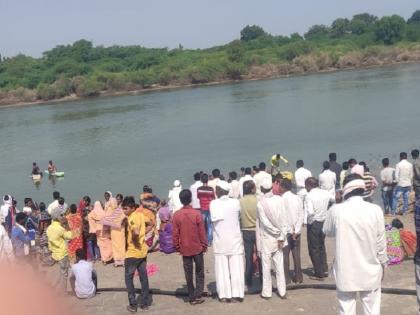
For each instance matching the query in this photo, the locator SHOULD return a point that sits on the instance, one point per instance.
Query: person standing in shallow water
(191, 242)
(136, 255)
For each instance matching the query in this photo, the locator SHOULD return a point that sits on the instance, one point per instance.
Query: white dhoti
(277, 258)
(371, 302)
(230, 276)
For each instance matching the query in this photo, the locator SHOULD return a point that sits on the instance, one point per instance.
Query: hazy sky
(34, 26)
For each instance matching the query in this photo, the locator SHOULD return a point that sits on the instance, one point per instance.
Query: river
(122, 143)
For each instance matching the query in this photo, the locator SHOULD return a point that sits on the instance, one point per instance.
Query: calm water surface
(122, 143)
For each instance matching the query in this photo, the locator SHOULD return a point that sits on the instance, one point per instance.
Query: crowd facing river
(252, 221)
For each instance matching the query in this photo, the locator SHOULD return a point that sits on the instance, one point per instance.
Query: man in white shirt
(360, 248)
(173, 197)
(404, 177)
(245, 178)
(260, 177)
(271, 239)
(228, 245)
(6, 247)
(294, 215)
(83, 278)
(216, 178)
(53, 205)
(387, 179)
(301, 175)
(193, 188)
(317, 202)
(327, 179)
(234, 185)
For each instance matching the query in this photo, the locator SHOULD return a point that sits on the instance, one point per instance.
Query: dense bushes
(85, 70)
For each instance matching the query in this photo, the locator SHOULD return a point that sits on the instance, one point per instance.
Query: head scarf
(164, 214)
(353, 185)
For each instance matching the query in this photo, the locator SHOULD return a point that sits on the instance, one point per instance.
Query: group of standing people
(253, 222)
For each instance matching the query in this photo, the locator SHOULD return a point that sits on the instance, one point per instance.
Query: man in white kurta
(227, 245)
(327, 179)
(260, 177)
(301, 175)
(360, 246)
(271, 238)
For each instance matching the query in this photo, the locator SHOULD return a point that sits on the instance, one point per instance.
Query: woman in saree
(75, 223)
(103, 235)
(116, 221)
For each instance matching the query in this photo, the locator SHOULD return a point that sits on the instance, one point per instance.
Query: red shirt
(189, 234)
(205, 194)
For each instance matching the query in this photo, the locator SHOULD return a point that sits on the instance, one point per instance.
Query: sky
(34, 26)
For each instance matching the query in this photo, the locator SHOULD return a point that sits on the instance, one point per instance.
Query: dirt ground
(303, 301)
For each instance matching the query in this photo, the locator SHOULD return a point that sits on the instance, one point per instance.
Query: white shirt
(6, 248)
(242, 180)
(272, 223)
(387, 177)
(227, 237)
(360, 244)
(4, 211)
(301, 175)
(316, 205)
(84, 286)
(327, 180)
(174, 203)
(195, 203)
(234, 189)
(213, 183)
(404, 173)
(53, 205)
(294, 212)
(259, 179)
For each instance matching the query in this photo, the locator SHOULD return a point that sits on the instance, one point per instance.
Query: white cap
(267, 184)
(177, 183)
(223, 185)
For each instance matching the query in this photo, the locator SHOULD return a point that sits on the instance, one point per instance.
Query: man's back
(84, 285)
(294, 212)
(404, 173)
(301, 175)
(205, 195)
(188, 232)
(327, 180)
(360, 244)
(227, 237)
(248, 212)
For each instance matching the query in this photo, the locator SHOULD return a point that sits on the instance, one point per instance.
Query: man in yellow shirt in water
(275, 163)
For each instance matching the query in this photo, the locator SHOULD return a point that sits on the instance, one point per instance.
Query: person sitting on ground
(83, 278)
(408, 238)
(166, 244)
(51, 167)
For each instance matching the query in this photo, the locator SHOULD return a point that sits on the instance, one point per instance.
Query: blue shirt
(19, 239)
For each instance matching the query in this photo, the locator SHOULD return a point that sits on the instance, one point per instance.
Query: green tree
(235, 51)
(415, 18)
(317, 31)
(358, 27)
(251, 32)
(390, 29)
(367, 18)
(295, 37)
(340, 27)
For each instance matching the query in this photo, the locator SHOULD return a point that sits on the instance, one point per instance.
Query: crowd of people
(252, 220)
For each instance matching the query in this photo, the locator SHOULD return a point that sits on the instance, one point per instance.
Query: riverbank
(320, 63)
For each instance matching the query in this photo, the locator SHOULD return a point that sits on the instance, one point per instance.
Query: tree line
(86, 70)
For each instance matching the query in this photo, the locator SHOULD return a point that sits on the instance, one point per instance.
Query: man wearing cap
(360, 248)
(228, 246)
(173, 197)
(271, 236)
(260, 177)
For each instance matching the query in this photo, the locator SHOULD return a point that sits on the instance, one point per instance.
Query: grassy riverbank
(82, 70)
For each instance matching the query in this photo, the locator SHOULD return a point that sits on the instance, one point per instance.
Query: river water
(122, 143)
